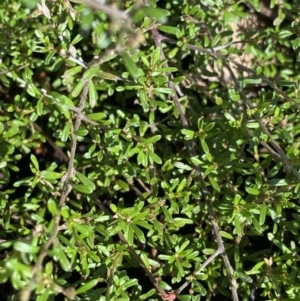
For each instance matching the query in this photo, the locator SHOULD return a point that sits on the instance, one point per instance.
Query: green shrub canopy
(149, 150)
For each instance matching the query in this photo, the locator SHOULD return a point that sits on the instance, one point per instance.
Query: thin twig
(134, 254)
(51, 142)
(203, 266)
(112, 11)
(144, 186)
(286, 163)
(191, 147)
(279, 152)
(241, 67)
(141, 263)
(66, 189)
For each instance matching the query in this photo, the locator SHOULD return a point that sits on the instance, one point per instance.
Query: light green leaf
(122, 184)
(113, 208)
(71, 72)
(87, 286)
(81, 132)
(147, 295)
(226, 235)
(252, 191)
(13, 131)
(52, 207)
(154, 157)
(183, 246)
(263, 213)
(183, 166)
(189, 134)
(34, 161)
(169, 29)
(50, 175)
(215, 40)
(93, 94)
(238, 226)
(66, 132)
(242, 276)
(164, 90)
(85, 181)
(24, 247)
(130, 65)
(142, 159)
(82, 188)
(213, 183)
(167, 69)
(139, 233)
(153, 139)
(96, 116)
(90, 73)
(204, 146)
(278, 182)
(156, 13)
(285, 33)
(207, 251)
(181, 185)
(256, 269)
(49, 56)
(77, 89)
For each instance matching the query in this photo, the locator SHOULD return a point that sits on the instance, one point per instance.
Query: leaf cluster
(109, 112)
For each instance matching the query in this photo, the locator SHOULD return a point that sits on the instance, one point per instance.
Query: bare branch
(279, 152)
(241, 67)
(66, 189)
(191, 147)
(203, 266)
(107, 9)
(134, 254)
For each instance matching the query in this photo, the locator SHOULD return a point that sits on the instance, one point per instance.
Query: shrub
(149, 150)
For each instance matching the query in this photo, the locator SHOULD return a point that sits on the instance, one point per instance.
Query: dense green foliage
(133, 136)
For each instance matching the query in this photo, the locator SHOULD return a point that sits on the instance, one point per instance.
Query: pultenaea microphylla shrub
(149, 150)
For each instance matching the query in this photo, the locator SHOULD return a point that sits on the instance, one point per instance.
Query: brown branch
(191, 147)
(66, 188)
(107, 9)
(51, 142)
(278, 153)
(241, 67)
(203, 266)
(135, 255)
